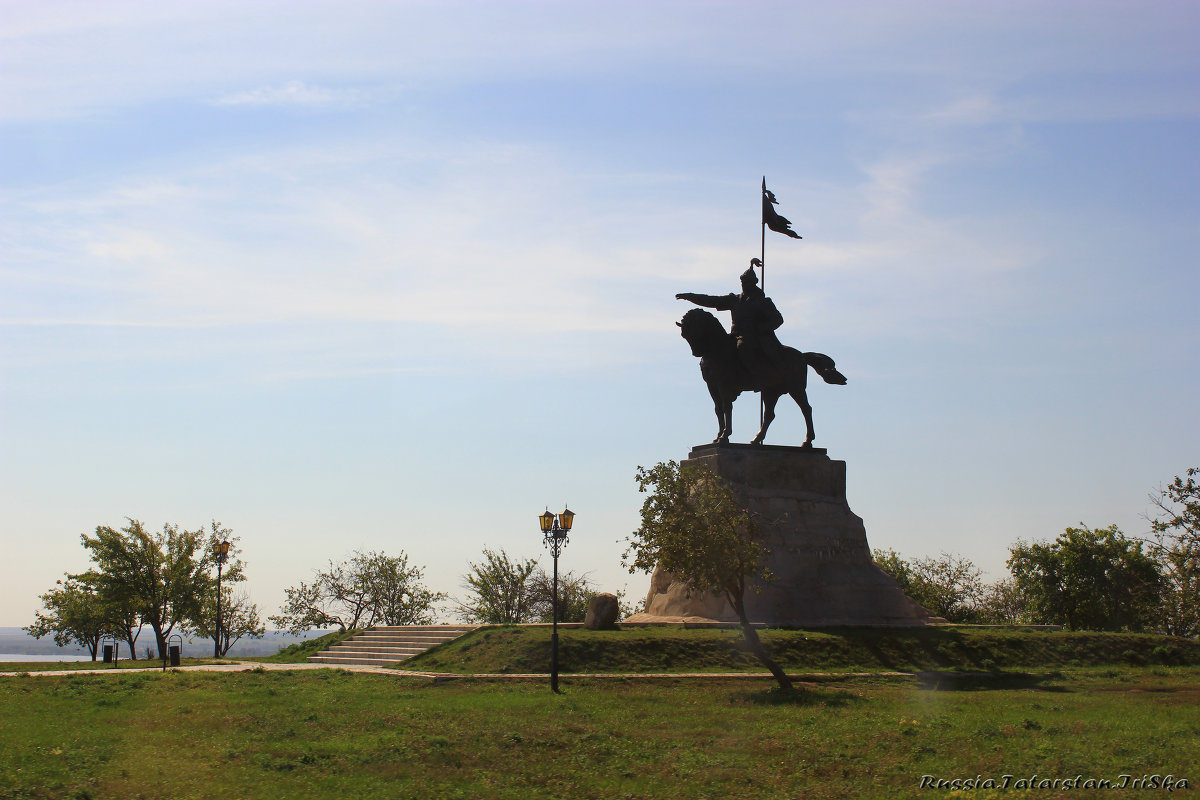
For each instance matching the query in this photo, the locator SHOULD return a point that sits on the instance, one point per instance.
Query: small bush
(1132, 657)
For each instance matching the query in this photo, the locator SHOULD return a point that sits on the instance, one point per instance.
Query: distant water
(51, 657)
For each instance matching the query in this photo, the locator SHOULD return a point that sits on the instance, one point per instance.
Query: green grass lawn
(75, 666)
(332, 734)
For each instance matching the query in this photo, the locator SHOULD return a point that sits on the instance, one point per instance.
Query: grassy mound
(516, 649)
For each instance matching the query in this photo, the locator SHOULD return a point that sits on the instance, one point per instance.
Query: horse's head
(702, 331)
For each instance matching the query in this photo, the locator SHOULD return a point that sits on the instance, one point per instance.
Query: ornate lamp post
(554, 536)
(221, 555)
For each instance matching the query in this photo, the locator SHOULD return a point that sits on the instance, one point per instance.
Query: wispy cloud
(294, 93)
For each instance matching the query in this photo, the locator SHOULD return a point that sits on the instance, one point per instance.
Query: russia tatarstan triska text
(1167, 783)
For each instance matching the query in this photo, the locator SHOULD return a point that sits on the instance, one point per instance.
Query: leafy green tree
(499, 590)
(164, 576)
(73, 613)
(950, 586)
(508, 592)
(125, 616)
(305, 607)
(1003, 604)
(694, 527)
(368, 589)
(239, 619)
(1088, 580)
(1176, 547)
(398, 595)
(232, 572)
(574, 592)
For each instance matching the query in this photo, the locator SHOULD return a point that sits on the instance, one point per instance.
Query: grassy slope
(330, 734)
(516, 650)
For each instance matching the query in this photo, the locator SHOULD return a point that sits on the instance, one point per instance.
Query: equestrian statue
(749, 358)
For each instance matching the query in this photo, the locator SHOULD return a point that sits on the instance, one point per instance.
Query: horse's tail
(824, 367)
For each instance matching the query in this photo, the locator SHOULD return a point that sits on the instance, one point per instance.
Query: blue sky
(396, 276)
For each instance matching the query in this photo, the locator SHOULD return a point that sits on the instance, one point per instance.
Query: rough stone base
(818, 552)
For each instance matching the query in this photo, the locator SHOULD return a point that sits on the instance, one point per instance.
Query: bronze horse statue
(727, 377)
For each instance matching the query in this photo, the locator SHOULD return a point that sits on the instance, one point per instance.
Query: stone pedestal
(817, 547)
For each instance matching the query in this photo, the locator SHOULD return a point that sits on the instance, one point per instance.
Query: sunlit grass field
(332, 734)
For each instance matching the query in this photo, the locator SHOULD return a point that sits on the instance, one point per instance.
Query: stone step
(366, 662)
(389, 644)
(399, 640)
(420, 628)
(384, 639)
(371, 633)
(389, 658)
(402, 651)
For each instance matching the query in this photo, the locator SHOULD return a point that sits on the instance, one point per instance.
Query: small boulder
(602, 612)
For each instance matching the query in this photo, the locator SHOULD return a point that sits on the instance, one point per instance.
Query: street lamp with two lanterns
(554, 536)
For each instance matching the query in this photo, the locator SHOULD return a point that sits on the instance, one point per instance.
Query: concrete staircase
(384, 645)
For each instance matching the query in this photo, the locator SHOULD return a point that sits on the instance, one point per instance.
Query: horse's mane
(700, 326)
(700, 321)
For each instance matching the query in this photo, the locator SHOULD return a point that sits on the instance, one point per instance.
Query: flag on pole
(770, 218)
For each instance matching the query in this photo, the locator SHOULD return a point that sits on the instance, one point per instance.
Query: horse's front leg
(724, 414)
(769, 401)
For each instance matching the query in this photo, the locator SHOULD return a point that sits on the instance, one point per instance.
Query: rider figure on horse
(755, 320)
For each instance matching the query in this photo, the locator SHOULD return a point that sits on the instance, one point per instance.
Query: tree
(1003, 604)
(694, 526)
(368, 589)
(574, 592)
(124, 616)
(1176, 548)
(397, 594)
(508, 592)
(1088, 580)
(239, 618)
(951, 586)
(499, 591)
(228, 573)
(74, 612)
(163, 576)
(304, 608)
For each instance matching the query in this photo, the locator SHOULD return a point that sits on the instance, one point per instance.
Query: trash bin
(108, 653)
(174, 651)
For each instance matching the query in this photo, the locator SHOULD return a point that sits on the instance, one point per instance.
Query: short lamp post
(554, 536)
(221, 555)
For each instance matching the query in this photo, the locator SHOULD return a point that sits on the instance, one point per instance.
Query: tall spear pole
(762, 262)
(762, 255)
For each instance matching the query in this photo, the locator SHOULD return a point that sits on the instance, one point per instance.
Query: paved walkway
(249, 666)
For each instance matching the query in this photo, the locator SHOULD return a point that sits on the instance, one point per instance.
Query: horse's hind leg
(769, 401)
(801, 398)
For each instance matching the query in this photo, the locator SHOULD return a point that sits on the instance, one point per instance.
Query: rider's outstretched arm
(723, 302)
